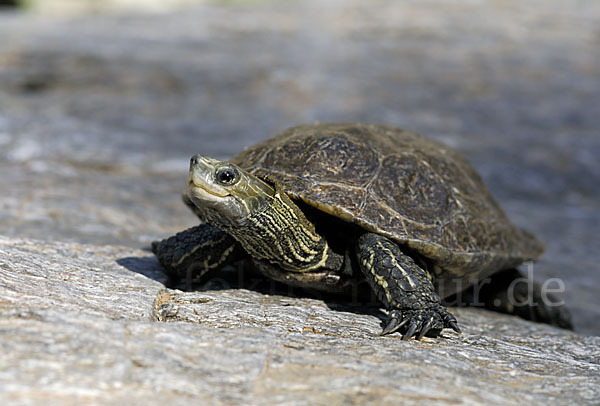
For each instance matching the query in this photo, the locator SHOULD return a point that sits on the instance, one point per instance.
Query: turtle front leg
(191, 253)
(404, 288)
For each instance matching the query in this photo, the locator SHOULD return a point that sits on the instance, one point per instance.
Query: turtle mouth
(205, 192)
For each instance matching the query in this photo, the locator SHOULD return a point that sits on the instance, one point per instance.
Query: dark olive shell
(416, 191)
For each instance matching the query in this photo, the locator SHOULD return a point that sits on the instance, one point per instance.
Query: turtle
(326, 206)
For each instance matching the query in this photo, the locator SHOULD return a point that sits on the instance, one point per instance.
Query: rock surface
(79, 324)
(99, 115)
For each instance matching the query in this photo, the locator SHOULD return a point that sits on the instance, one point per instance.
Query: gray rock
(61, 278)
(79, 326)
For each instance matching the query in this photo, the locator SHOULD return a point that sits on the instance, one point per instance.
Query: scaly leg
(191, 253)
(404, 288)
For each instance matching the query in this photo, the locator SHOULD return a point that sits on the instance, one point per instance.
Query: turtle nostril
(194, 160)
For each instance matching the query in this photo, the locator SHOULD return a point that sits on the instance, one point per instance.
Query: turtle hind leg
(404, 288)
(511, 292)
(193, 252)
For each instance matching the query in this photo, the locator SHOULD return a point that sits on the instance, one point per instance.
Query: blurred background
(103, 102)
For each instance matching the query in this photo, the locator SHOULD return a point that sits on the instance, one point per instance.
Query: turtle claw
(411, 330)
(426, 327)
(420, 323)
(394, 323)
(452, 324)
(450, 321)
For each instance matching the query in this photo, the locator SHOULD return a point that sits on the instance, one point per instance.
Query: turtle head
(268, 225)
(225, 194)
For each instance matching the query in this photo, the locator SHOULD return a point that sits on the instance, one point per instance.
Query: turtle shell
(416, 191)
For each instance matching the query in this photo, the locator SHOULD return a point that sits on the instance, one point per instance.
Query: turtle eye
(227, 175)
